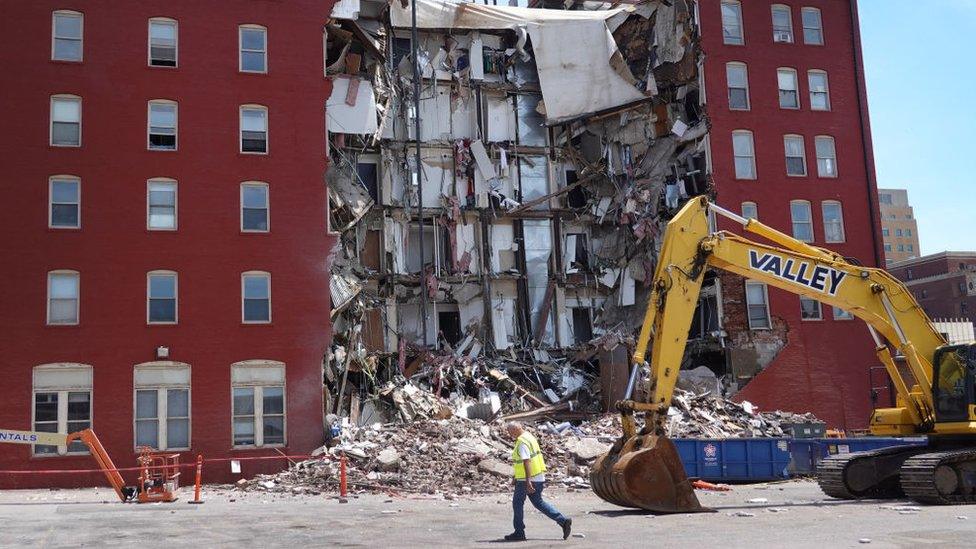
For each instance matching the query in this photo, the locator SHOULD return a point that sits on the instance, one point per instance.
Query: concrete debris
(388, 460)
(585, 450)
(707, 416)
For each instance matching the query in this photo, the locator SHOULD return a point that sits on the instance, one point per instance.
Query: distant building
(943, 283)
(898, 227)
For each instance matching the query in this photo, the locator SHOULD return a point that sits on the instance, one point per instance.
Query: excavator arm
(642, 469)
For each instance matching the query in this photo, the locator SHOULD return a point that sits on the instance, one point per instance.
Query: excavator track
(870, 474)
(941, 478)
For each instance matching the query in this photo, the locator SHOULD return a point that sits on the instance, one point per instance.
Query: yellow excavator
(935, 394)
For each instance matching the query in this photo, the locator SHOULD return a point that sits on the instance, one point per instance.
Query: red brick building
(164, 231)
(790, 144)
(944, 284)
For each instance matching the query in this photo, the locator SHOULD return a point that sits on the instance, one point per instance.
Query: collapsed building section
(553, 146)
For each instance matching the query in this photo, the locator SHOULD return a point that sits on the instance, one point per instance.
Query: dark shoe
(567, 527)
(515, 536)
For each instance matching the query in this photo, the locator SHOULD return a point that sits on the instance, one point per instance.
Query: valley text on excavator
(158, 473)
(935, 397)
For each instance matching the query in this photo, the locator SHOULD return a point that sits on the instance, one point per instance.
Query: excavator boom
(642, 468)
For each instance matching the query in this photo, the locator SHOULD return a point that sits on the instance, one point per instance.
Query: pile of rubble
(705, 416)
(457, 456)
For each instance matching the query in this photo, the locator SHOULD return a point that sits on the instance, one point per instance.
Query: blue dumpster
(806, 454)
(735, 459)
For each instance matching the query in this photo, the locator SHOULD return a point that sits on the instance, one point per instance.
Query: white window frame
(769, 319)
(50, 201)
(176, 203)
(77, 276)
(780, 90)
(267, 128)
(241, 50)
(176, 297)
(729, 88)
(747, 205)
(803, 154)
(251, 368)
(176, 41)
(793, 222)
(840, 211)
(751, 156)
(267, 207)
(81, 39)
(825, 93)
(833, 147)
(176, 124)
(805, 27)
(79, 371)
(64, 97)
(819, 316)
(737, 5)
(162, 401)
(246, 275)
(789, 17)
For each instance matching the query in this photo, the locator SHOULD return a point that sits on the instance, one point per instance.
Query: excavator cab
(952, 390)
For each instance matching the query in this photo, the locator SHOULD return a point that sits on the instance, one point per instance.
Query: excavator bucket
(645, 472)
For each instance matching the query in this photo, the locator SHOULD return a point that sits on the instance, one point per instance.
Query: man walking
(530, 479)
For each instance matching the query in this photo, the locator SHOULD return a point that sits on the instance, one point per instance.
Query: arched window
(253, 44)
(254, 129)
(62, 403)
(744, 153)
(833, 221)
(737, 77)
(161, 125)
(161, 297)
(67, 35)
(819, 90)
(255, 207)
(63, 295)
(64, 202)
(782, 23)
(796, 157)
(65, 120)
(802, 220)
(256, 297)
(812, 26)
(161, 204)
(161, 402)
(163, 42)
(258, 392)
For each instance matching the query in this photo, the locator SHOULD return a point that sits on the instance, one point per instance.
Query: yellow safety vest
(536, 462)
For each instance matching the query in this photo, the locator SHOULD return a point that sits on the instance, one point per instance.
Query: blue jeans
(518, 504)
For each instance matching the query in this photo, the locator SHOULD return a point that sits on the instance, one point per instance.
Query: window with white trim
(66, 120)
(737, 77)
(819, 90)
(810, 309)
(796, 158)
(254, 207)
(253, 42)
(163, 36)
(757, 305)
(258, 390)
(256, 297)
(161, 204)
(161, 300)
(65, 202)
(254, 129)
(162, 405)
(833, 221)
(789, 97)
(812, 26)
(841, 314)
(67, 35)
(63, 289)
(750, 210)
(826, 156)
(162, 125)
(62, 403)
(732, 22)
(782, 24)
(887, 247)
(802, 220)
(744, 154)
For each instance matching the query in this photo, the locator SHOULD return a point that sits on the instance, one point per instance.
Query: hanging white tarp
(580, 68)
(351, 113)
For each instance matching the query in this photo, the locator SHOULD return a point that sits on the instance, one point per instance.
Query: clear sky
(921, 81)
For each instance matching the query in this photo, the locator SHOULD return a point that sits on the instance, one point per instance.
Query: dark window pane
(162, 141)
(79, 406)
(274, 430)
(146, 404)
(65, 133)
(255, 219)
(162, 310)
(738, 99)
(46, 408)
(147, 433)
(254, 141)
(243, 431)
(67, 50)
(243, 402)
(162, 286)
(252, 39)
(178, 433)
(178, 402)
(274, 400)
(256, 310)
(64, 191)
(163, 56)
(64, 215)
